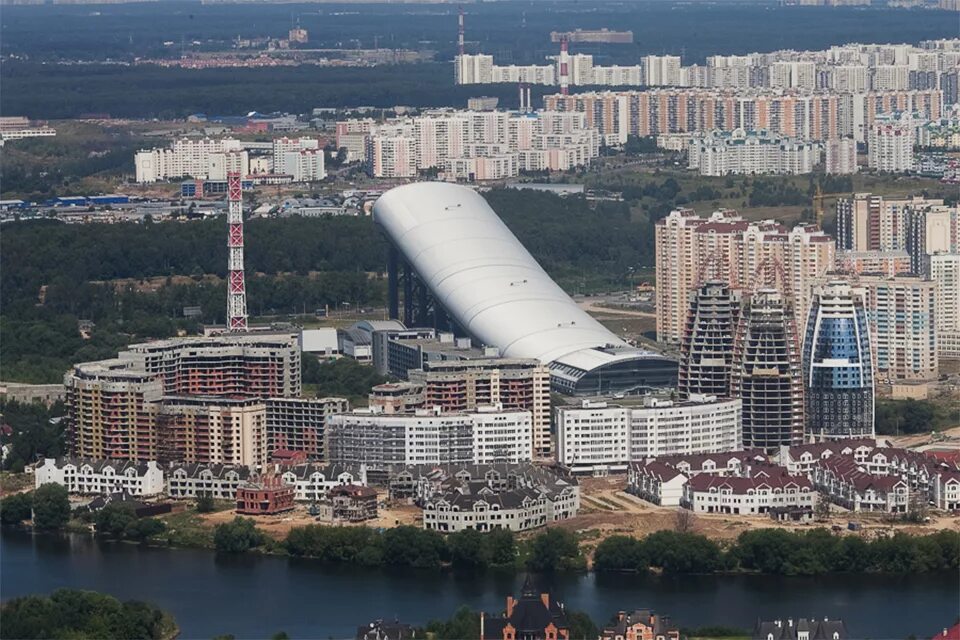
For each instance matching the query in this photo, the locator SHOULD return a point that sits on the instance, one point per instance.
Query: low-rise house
(767, 488)
(801, 458)
(848, 485)
(532, 615)
(946, 490)
(732, 463)
(641, 624)
(82, 476)
(801, 629)
(485, 509)
(140, 509)
(265, 498)
(487, 497)
(313, 481)
(219, 481)
(656, 482)
(353, 503)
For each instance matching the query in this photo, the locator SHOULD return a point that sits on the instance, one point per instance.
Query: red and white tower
(564, 67)
(236, 286)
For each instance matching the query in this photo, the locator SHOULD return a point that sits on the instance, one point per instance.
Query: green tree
(144, 528)
(553, 550)
(412, 547)
(51, 507)
(205, 503)
(501, 547)
(237, 536)
(582, 626)
(620, 553)
(16, 508)
(468, 550)
(113, 519)
(69, 613)
(464, 624)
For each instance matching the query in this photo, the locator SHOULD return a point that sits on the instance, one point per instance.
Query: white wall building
(600, 438)
(479, 145)
(740, 152)
(890, 145)
(193, 158)
(840, 155)
(767, 488)
(85, 477)
(384, 440)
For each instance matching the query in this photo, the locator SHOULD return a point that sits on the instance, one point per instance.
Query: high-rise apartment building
(837, 365)
(890, 145)
(706, 348)
(767, 372)
(920, 226)
(182, 398)
(945, 273)
(513, 383)
(111, 411)
(840, 156)
(299, 424)
(212, 430)
(720, 153)
(249, 365)
(209, 159)
(904, 326)
(691, 249)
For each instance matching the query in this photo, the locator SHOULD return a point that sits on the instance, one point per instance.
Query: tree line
(779, 552)
(70, 613)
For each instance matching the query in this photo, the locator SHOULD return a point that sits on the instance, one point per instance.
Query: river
(255, 596)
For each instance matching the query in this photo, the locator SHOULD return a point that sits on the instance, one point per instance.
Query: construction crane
(818, 198)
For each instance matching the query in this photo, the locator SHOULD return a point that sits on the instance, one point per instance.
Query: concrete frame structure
(767, 372)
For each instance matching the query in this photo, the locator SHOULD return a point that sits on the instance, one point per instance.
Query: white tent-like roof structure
(494, 289)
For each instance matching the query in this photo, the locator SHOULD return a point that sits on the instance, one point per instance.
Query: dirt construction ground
(279, 525)
(607, 510)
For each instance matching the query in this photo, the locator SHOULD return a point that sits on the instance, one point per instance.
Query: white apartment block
(382, 440)
(480, 145)
(840, 156)
(721, 153)
(847, 68)
(600, 438)
(86, 477)
(945, 273)
(301, 158)
(890, 145)
(205, 159)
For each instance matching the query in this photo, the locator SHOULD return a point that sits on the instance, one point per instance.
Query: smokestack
(564, 67)
(460, 33)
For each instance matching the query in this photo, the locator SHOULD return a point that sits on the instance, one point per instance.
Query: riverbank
(257, 595)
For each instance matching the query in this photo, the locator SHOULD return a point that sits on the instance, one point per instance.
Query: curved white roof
(481, 274)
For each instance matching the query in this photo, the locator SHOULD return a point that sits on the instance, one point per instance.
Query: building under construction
(706, 347)
(767, 372)
(605, 36)
(837, 365)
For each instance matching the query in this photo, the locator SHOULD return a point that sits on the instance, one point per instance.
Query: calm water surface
(255, 596)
